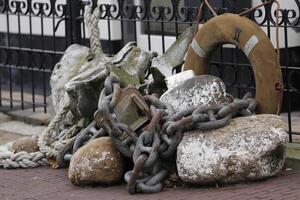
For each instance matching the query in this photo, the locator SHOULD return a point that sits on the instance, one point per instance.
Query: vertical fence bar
(43, 65)
(30, 60)
(19, 56)
(109, 32)
(149, 31)
(0, 85)
(287, 55)
(9, 55)
(134, 23)
(75, 20)
(68, 23)
(122, 25)
(30, 64)
(163, 36)
(53, 34)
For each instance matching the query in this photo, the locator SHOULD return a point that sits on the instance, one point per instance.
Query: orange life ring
(245, 34)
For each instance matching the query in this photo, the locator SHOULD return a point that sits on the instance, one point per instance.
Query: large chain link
(158, 141)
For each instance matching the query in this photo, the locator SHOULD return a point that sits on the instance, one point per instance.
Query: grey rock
(96, 162)
(197, 91)
(129, 65)
(8, 137)
(134, 62)
(84, 90)
(68, 67)
(250, 148)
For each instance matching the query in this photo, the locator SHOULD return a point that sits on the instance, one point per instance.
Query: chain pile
(157, 142)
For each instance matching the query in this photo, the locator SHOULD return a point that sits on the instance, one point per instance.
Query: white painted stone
(196, 91)
(178, 79)
(249, 148)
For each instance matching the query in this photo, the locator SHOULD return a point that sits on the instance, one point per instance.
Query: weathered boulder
(129, 65)
(250, 148)
(134, 62)
(196, 91)
(96, 162)
(84, 90)
(27, 144)
(69, 66)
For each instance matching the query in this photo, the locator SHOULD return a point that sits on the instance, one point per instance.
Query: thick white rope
(91, 20)
(45, 141)
(23, 160)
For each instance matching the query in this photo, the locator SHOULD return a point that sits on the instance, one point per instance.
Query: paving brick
(45, 183)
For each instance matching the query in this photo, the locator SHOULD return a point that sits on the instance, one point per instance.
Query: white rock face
(178, 79)
(249, 148)
(196, 91)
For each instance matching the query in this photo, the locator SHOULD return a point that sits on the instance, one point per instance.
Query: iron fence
(35, 33)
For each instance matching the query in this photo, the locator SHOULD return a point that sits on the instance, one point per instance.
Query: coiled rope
(23, 159)
(50, 133)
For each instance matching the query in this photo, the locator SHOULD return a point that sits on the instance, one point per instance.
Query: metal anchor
(132, 109)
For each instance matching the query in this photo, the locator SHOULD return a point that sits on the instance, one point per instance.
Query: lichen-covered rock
(68, 67)
(27, 144)
(129, 65)
(96, 162)
(250, 148)
(135, 62)
(196, 91)
(84, 90)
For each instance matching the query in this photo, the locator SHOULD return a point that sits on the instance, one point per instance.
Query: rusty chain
(157, 141)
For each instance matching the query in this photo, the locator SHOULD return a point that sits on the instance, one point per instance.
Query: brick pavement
(45, 183)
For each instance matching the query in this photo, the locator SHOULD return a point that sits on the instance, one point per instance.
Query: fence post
(73, 27)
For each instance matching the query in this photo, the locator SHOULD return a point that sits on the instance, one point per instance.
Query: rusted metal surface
(240, 31)
(131, 108)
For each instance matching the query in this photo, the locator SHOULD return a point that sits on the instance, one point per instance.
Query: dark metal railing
(34, 35)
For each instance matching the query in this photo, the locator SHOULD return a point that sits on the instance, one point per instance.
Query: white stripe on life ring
(197, 49)
(250, 44)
